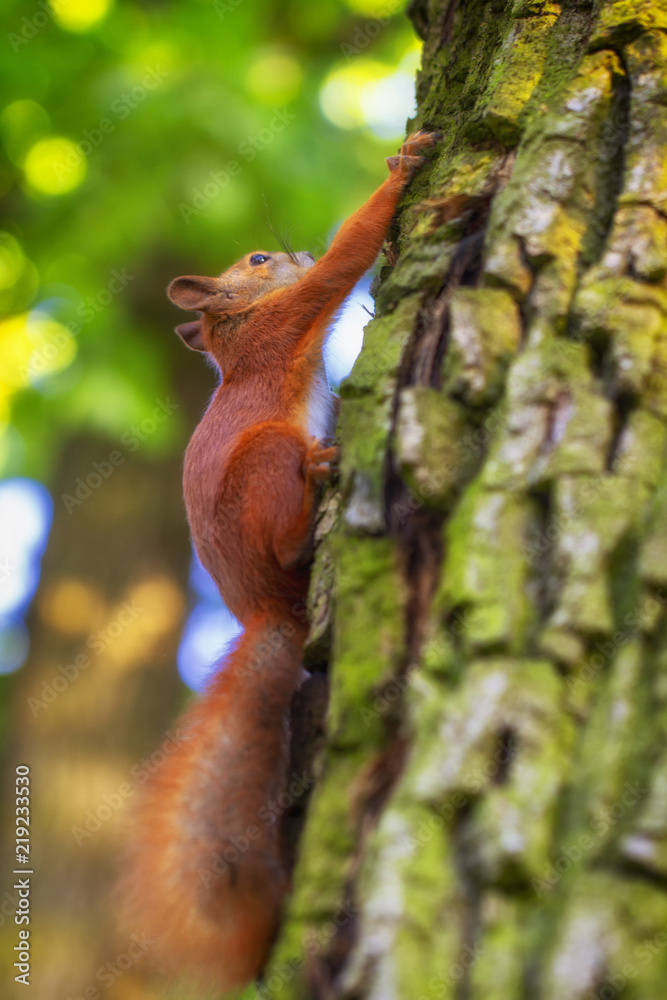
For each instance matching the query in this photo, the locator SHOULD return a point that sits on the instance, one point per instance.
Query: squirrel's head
(234, 291)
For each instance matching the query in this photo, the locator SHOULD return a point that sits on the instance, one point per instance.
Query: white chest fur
(321, 415)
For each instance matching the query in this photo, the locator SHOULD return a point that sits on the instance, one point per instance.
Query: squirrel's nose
(309, 255)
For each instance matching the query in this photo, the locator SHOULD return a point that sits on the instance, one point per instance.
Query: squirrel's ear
(194, 293)
(191, 335)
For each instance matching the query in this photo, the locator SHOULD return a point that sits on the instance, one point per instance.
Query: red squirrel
(205, 879)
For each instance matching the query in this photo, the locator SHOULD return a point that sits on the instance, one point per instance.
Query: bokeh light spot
(14, 646)
(54, 166)
(341, 93)
(369, 94)
(53, 346)
(387, 104)
(376, 8)
(134, 629)
(71, 606)
(26, 509)
(12, 261)
(274, 78)
(208, 635)
(16, 349)
(347, 333)
(21, 124)
(162, 602)
(32, 346)
(209, 631)
(79, 15)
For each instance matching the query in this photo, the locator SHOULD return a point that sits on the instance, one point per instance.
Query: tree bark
(490, 815)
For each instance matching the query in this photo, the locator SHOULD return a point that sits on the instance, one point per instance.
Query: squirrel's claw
(408, 158)
(320, 462)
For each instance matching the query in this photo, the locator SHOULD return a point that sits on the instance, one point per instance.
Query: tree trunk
(490, 815)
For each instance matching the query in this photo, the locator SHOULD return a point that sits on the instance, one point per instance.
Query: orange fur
(205, 877)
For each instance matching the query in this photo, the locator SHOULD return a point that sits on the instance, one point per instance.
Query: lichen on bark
(490, 816)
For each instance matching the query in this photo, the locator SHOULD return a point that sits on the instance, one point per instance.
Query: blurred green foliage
(139, 141)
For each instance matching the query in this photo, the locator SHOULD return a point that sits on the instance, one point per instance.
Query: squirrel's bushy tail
(204, 877)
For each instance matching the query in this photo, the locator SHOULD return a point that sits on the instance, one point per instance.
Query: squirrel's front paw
(320, 461)
(409, 159)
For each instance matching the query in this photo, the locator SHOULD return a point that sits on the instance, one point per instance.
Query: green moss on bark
(519, 847)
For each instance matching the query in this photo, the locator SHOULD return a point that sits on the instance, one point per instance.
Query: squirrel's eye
(258, 258)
